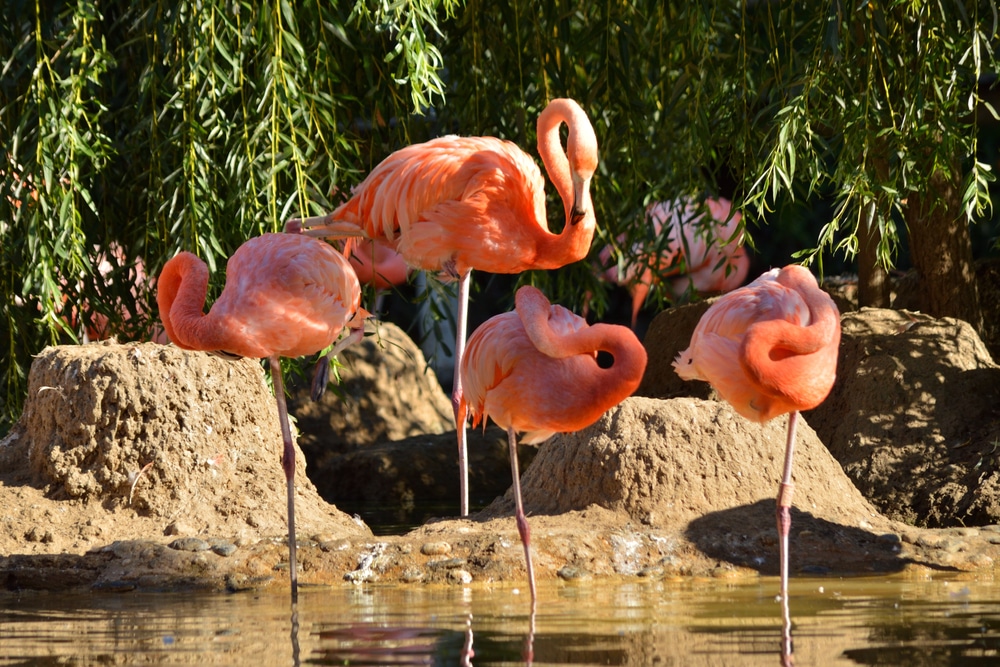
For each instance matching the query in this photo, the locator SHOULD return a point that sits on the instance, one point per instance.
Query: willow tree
(872, 104)
(132, 129)
(142, 127)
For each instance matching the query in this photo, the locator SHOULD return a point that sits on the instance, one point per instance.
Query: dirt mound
(148, 440)
(386, 392)
(914, 417)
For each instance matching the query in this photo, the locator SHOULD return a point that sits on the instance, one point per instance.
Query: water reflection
(893, 621)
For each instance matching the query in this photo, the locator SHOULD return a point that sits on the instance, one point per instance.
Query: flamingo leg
(522, 521)
(784, 519)
(288, 464)
(456, 392)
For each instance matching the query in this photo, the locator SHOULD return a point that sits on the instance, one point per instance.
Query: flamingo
(377, 264)
(286, 295)
(769, 348)
(706, 258)
(454, 204)
(535, 370)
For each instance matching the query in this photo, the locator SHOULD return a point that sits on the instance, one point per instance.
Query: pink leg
(456, 392)
(288, 464)
(522, 521)
(784, 519)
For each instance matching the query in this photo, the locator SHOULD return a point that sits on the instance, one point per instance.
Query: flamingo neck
(608, 386)
(181, 291)
(570, 171)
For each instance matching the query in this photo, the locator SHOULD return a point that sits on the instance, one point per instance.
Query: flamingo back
(285, 295)
(508, 378)
(452, 199)
(287, 298)
(717, 352)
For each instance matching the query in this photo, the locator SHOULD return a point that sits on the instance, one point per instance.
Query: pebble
(190, 544)
(460, 576)
(435, 548)
(571, 573)
(224, 549)
(178, 528)
(412, 575)
(447, 564)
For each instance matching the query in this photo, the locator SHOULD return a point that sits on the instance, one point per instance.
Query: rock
(190, 544)
(668, 334)
(418, 477)
(912, 417)
(148, 440)
(386, 392)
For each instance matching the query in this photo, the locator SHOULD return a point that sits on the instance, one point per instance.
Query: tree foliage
(142, 128)
(156, 125)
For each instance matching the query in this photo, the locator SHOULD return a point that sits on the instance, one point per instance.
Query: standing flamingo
(769, 348)
(454, 204)
(377, 264)
(285, 296)
(535, 370)
(704, 257)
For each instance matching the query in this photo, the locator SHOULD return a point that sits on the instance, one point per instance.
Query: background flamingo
(769, 348)
(286, 295)
(454, 204)
(706, 258)
(535, 370)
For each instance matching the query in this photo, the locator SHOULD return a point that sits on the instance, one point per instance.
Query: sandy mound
(386, 392)
(146, 440)
(914, 417)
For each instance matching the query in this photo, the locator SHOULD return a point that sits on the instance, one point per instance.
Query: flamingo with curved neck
(770, 348)
(535, 370)
(285, 296)
(455, 204)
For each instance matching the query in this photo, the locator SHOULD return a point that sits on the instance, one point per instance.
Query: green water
(910, 621)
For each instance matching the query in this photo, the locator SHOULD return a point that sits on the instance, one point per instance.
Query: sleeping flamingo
(769, 348)
(706, 258)
(454, 204)
(286, 295)
(535, 370)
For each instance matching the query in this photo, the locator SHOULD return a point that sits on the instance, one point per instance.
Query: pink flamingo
(535, 370)
(286, 295)
(377, 264)
(707, 259)
(454, 204)
(769, 348)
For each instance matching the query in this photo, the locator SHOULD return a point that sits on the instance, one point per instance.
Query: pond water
(914, 620)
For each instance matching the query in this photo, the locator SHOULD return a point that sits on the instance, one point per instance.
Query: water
(860, 621)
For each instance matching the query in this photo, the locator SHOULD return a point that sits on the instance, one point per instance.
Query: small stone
(459, 576)
(336, 544)
(190, 544)
(224, 549)
(447, 564)
(412, 575)
(571, 573)
(178, 528)
(435, 548)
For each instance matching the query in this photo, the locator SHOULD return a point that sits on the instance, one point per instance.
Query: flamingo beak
(321, 226)
(358, 321)
(581, 199)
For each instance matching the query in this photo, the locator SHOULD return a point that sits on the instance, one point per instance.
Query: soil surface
(146, 466)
